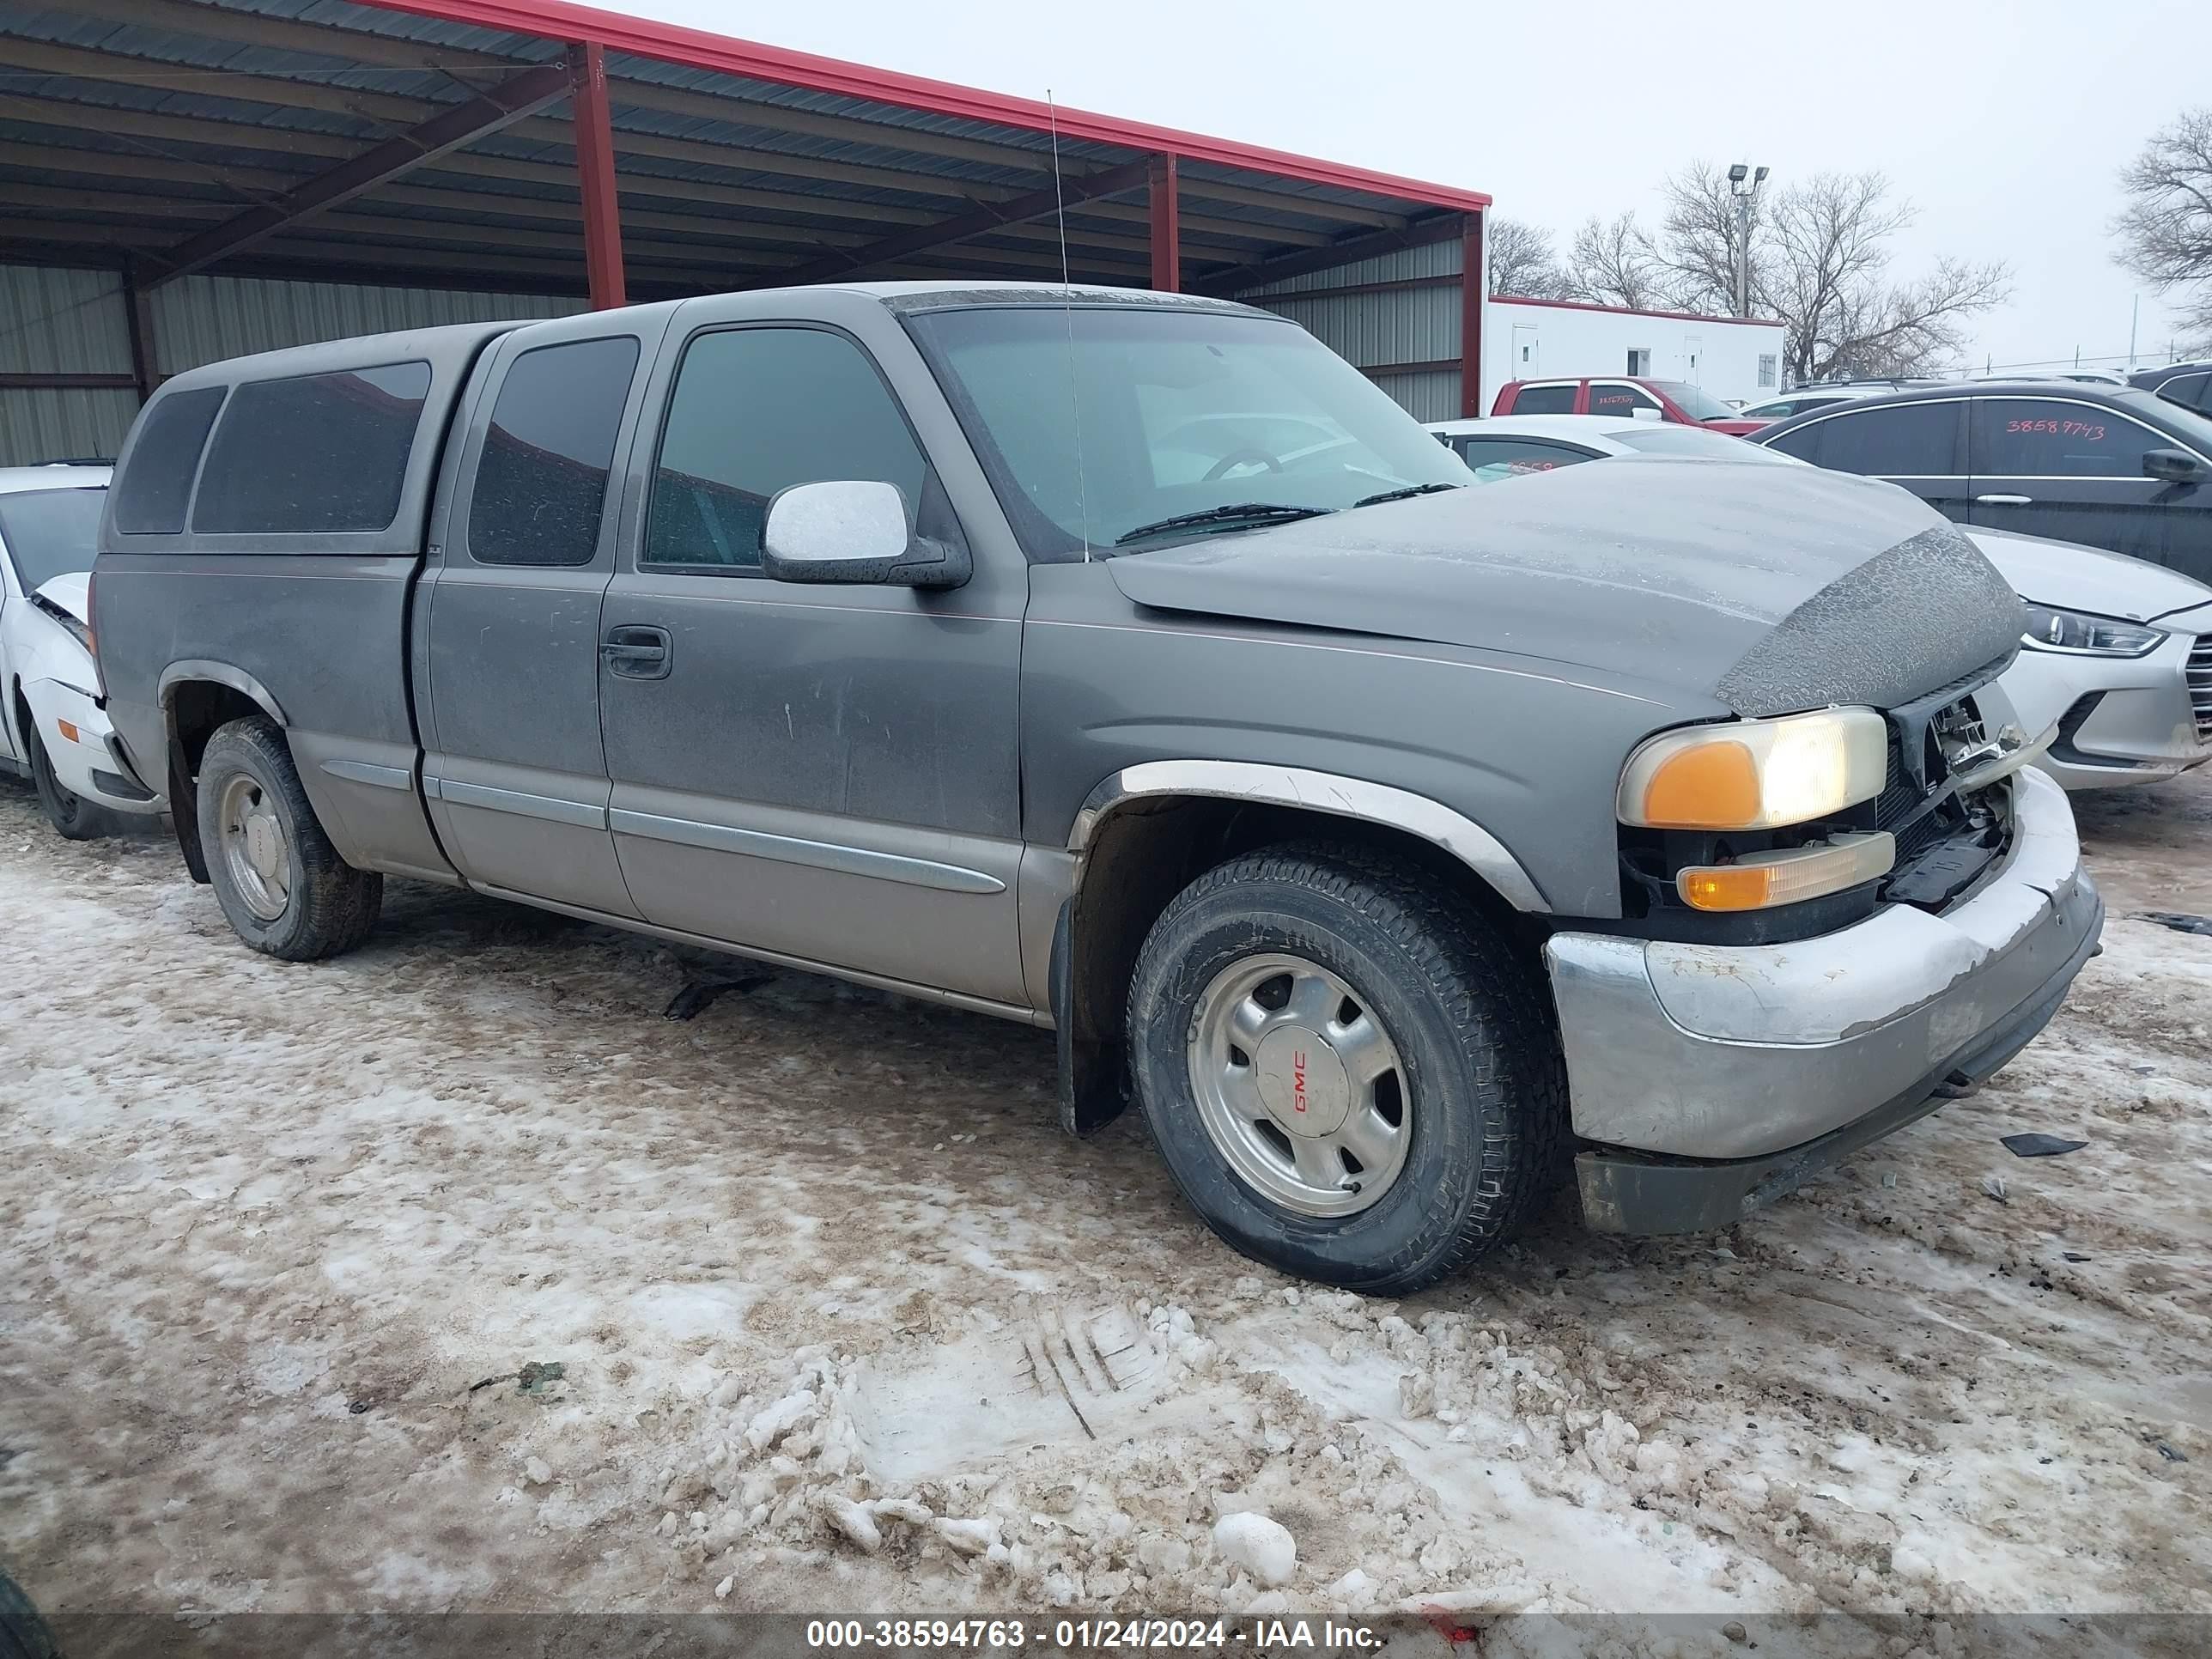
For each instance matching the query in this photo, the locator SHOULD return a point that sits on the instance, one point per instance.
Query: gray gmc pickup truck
(1127, 665)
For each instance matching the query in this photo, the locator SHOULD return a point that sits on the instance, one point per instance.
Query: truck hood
(2072, 577)
(73, 593)
(1766, 588)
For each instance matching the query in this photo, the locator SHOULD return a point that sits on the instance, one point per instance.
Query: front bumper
(1714, 1078)
(91, 764)
(2120, 720)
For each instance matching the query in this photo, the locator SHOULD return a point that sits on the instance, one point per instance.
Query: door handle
(2004, 501)
(637, 652)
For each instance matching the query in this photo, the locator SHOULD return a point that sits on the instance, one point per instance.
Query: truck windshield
(1695, 402)
(50, 532)
(1098, 421)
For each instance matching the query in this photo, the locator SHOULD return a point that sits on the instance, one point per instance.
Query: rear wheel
(70, 814)
(1351, 1076)
(282, 884)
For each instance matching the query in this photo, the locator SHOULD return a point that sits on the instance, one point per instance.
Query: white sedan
(2116, 655)
(53, 728)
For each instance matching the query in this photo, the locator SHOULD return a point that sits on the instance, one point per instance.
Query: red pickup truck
(1668, 400)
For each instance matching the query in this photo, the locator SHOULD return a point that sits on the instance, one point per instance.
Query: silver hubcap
(254, 848)
(1299, 1085)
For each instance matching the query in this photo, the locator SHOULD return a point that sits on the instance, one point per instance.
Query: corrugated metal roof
(125, 102)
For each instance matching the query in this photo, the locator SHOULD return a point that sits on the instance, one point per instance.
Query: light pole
(1743, 185)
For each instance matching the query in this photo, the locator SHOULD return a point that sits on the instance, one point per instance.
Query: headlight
(1757, 775)
(2051, 629)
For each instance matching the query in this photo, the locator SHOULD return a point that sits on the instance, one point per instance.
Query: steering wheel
(1244, 457)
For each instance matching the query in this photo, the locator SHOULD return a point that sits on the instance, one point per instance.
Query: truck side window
(541, 482)
(756, 410)
(150, 495)
(313, 454)
(1612, 398)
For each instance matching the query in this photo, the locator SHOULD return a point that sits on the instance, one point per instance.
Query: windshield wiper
(1236, 515)
(1409, 491)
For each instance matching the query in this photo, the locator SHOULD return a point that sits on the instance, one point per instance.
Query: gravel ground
(840, 1319)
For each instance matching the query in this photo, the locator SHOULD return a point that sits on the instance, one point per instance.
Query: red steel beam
(1167, 227)
(672, 43)
(986, 217)
(595, 174)
(1470, 318)
(512, 100)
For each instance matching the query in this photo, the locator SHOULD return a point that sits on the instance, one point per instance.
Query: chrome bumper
(1751, 1057)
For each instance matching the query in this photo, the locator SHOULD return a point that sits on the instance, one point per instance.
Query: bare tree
(1697, 240)
(2166, 230)
(1614, 263)
(1824, 271)
(1523, 261)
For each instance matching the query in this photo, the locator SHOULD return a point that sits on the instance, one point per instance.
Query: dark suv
(2189, 385)
(2113, 467)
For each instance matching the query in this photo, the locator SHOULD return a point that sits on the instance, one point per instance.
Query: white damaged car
(2118, 658)
(53, 729)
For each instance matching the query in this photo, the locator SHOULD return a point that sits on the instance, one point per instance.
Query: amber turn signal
(1767, 879)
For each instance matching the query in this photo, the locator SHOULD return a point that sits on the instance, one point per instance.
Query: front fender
(1317, 791)
(41, 649)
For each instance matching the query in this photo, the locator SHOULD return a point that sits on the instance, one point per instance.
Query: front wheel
(1352, 1077)
(71, 815)
(282, 884)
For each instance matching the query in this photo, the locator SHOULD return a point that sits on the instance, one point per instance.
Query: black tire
(329, 906)
(1467, 1016)
(72, 815)
(23, 1634)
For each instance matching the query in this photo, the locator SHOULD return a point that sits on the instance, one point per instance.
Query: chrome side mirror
(854, 531)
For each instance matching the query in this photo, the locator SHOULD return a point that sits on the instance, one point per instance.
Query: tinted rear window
(2190, 391)
(313, 454)
(150, 495)
(1516, 455)
(541, 482)
(1895, 441)
(1544, 400)
(1801, 442)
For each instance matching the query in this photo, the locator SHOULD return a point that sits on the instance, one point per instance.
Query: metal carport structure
(546, 148)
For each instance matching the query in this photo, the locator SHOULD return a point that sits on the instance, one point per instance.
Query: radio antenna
(1068, 310)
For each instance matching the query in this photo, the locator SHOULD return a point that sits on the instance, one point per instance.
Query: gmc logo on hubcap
(1298, 1080)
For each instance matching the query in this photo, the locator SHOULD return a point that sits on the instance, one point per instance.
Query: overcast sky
(2004, 121)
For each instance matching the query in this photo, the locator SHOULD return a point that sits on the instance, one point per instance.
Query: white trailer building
(1731, 357)
(1400, 316)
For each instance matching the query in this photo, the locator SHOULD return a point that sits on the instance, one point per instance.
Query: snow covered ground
(842, 1321)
